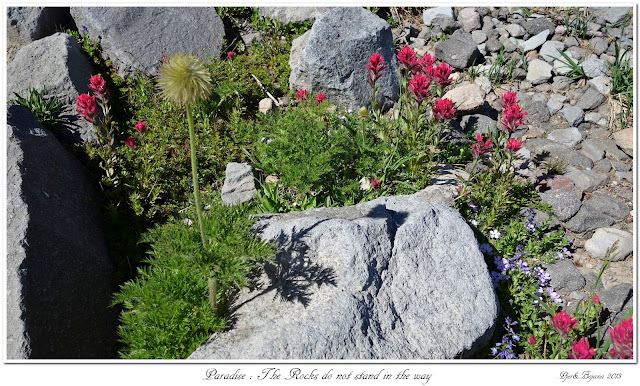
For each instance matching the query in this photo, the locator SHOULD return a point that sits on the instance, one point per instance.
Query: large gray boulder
(331, 58)
(33, 23)
(393, 278)
(57, 65)
(288, 15)
(135, 38)
(58, 269)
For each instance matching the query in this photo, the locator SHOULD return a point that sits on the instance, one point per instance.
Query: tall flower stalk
(184, 81)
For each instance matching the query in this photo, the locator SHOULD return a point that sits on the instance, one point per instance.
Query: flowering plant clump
(622, 340)
(89, 107)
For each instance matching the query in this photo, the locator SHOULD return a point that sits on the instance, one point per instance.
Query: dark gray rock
(33, 23)
(574, 115)
(598, 45)
(287, 15)
(459, 51)
(537, 113)
(564, 204)
(331, 58)
(58, 269)
(135, 38)
(239, 184)
(617, 298)
(611, 150)
(612, 15)
(588, 219)
(494, 45)
(368, 281)
(586, 180)
(609, 205)
(57, 65)
(591, 277)
(565, 276)
(590, 99)
(547, 149)
(591, 150)
(535, 26)
(477, 122)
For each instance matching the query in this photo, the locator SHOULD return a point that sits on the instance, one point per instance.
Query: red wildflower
(425, 65)
(99, 86)
(513, 117)
(596, 299)
(131, 142)
(231, 54)
(563, 322)
(581, 350)
(622, 340)
(419, 86)
(509, 98)
(321, 98)
(375, 67)
(532, 340)
(375, 184)
(513, 145)
(443, 109)
(407, 58)
(87, 107)
(481, 147)
(302, 94)
(141, 127)
(442, 73)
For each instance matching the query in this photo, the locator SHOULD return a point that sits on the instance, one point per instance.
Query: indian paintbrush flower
(87, 107)
(99, 87)
(443, 109)
(131, 142)
(481, 147)
(302, 94)
(622, 340)
(375, 184)
(563, 322)
(509, 98)
(513, 117)
(581, 350)
(513, 145)
(375, 66)
(419, 87)
(407, 58)
(231, 54)
(141, 127)
(321, 98)
(442, 73)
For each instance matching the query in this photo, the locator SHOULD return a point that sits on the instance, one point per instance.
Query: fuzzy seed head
(184, 80)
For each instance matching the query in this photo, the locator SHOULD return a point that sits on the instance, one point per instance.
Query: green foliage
(575, 71)
(166, 308)
(275, 27)
(622, 81)
(46, 109)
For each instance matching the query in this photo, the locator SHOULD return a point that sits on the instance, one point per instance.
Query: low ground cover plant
(159, 160)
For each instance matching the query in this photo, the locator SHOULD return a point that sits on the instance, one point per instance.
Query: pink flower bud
(141, 127)
(131, 142)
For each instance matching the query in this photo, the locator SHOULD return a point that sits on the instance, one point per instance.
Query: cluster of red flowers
(481, 147)
(443, 109)
(512, 111)
(303, 95)
(87, 104)
(424, 65)
(622, 340)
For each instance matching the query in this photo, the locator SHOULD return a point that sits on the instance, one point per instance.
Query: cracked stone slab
(370, 281)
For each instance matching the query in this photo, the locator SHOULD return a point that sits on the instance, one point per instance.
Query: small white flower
(474, 223)
(269, 141)
(494, 234)
(207, 207)
(187, 222)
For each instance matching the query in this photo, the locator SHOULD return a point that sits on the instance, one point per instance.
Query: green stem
(194, 172)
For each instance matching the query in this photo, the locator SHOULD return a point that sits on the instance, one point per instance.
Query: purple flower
(554, 295)
(84, 30)
(187, 222)
(486, 248)
(473, 207)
